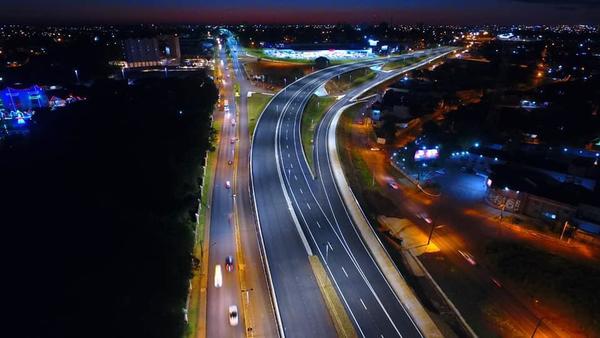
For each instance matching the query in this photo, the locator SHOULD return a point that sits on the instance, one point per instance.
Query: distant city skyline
(308, 11)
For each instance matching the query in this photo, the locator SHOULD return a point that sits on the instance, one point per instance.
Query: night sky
(306, 11)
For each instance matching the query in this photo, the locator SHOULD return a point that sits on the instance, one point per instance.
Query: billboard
(426, 154)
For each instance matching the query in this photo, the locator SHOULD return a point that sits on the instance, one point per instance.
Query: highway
(317, 223)
(222, 236)
(232, 226)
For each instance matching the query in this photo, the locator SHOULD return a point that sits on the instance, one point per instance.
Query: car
(468, 257)
(233, 122)
(425, 217)
(393, 185)
(233, 139)
(375, 149)
(227, 184)
(230, 162)
(229, 263)
(233, 315)
(218, 276)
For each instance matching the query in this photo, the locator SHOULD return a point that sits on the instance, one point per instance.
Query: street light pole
(564, 229)
(539, 322)
(431, 232)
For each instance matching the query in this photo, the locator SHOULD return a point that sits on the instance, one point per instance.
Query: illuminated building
(14, 99)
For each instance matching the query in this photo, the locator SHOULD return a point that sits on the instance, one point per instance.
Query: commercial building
(152, 52)
(536, 194)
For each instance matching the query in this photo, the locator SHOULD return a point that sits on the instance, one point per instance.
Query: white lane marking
(302, 192)
(296, 178)
(319, 225)
(330, 246)
(363, 303)
(287, 146)
(308, 205)
(289, 155)
(345, 273)
(291, 166)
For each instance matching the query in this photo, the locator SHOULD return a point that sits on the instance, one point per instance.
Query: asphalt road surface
(222, 239)
(319, 224)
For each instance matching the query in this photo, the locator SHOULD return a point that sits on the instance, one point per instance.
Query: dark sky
(305, 11)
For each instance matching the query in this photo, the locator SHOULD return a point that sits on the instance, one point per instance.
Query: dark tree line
(97, 211)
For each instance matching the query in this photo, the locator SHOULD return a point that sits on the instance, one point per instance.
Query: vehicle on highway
(425, 217)
(393, 185)
(229, 263)
(233, 139)
(468, 257)
(375, 149)
(227, 184)
(218, 276)
(233, 315)
(230, 162)
(233, 122)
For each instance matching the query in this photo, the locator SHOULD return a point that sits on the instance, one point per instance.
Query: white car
(233, 315)
(227, 185)
(218, 276)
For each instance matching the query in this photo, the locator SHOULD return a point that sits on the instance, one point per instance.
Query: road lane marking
(296, 178)
(345, 273)
(330, 246)
(308, 205)
(289, 155)
(319, 225)
(302, 192)
(363, 303)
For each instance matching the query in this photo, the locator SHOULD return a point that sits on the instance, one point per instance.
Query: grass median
(341, 320)
(313, 112)
(402, 63)
(256, 104)
(344, 82)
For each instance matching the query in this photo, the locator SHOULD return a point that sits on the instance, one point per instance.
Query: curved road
(317, 223)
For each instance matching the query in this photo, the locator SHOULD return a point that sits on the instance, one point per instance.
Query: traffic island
(341, 320)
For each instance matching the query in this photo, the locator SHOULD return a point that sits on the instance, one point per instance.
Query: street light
(539, 322)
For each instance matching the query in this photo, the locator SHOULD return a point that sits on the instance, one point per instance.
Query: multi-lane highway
(222, 222)
(299, 216)
(232, 226)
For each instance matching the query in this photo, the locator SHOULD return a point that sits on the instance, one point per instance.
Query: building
(22, 99)
(152, 52)
(535, 194)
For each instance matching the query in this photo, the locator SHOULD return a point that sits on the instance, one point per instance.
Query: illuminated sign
(426, 154)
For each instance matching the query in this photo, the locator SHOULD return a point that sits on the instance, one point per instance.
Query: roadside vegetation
(256, 104)
(275, 75)
(199, 248)
(571, 284)
(101, 221)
